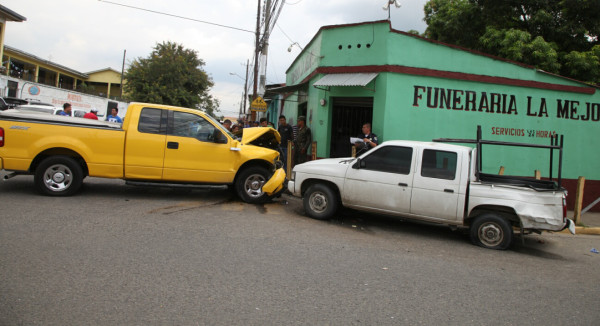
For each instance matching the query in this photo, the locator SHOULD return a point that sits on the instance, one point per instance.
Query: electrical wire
(176, 16)
(289, 38)
(292, 4)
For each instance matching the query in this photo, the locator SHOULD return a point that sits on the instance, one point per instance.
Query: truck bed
(34, 117)
(540, 185)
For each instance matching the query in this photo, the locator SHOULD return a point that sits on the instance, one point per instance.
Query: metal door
(348, 116)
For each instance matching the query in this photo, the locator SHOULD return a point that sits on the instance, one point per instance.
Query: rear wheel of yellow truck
(249, 184)
(58, 176)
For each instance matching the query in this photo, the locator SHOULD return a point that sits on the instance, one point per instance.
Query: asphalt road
(123, 255)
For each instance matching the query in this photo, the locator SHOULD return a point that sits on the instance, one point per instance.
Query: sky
(89, 35)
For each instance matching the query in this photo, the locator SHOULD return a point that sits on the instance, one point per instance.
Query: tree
(558, 36)
(171, 75)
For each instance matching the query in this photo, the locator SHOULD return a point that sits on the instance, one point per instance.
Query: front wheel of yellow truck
(249, 184)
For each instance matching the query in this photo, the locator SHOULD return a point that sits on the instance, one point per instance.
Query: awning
(355, 79)
(287, 89)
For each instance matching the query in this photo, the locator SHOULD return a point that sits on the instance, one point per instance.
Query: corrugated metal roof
(356, 79)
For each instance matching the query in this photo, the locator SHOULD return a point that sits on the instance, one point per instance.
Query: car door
(145, 147)
(382, 180)
(197, 151)
(436, 185)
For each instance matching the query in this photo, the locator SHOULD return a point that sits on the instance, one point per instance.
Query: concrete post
(578, 200)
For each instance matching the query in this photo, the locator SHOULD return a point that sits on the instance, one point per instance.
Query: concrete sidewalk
(591, 219)
(590, 222)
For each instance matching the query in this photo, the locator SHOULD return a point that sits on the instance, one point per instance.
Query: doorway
(347, 118)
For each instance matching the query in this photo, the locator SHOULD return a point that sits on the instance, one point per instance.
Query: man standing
(66, 111)
(286, 133)
(93, 114)
(113, 117)
(263, 122)
(369, 139)
(227, 124)
(303, 140)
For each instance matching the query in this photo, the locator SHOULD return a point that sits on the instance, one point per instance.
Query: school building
(410, 87)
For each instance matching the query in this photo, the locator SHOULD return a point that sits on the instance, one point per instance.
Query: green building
(413, 88)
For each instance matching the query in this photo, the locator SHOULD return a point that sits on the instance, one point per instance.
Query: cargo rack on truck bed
(549, 184)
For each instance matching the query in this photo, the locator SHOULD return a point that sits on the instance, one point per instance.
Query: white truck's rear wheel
(491, 231)
(58, 176)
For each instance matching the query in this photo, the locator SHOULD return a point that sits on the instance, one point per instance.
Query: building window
(66, 82)
(47, 77)
(21, 70)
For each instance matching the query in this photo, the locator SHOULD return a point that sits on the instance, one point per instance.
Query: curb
(583, 230)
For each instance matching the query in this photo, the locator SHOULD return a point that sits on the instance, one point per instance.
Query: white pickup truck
(434, 182)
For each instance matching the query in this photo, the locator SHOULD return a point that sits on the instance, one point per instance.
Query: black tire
(491, 231)
(320, 202)
(58, 176)
(249, 184)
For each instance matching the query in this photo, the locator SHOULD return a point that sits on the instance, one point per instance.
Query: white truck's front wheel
(58, 176)
(491, 231)
(320, 202)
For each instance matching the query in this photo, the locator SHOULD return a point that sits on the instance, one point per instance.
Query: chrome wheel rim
(490, 234)
(253, 185)
(58, 177)
(317, 202)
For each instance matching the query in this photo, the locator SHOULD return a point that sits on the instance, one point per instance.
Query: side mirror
(358, 164)
(235, 146)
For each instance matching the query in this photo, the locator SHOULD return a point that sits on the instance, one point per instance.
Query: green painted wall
(530, 116)
(406, 106)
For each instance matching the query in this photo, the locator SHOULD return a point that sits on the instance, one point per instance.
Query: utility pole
(246, 87)
(256, 54)
(122, 72)
(264, 48)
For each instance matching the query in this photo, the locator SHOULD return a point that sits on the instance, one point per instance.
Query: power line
(181, 17)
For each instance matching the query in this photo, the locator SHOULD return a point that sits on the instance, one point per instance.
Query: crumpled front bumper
(276, 183)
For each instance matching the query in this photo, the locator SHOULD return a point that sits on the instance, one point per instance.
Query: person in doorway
(369, 139)
(113, 117)
(286, 133)
(303, 141)
(66, 111)
(93, 114)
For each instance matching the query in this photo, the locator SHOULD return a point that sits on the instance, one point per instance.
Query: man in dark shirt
(369, 139)
(303, 141)
(286, 133)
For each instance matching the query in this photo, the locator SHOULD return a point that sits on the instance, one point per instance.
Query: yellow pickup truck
(157, 144)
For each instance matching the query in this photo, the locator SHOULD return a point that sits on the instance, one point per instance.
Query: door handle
(449, 190)
(402, 184)
(173, 145)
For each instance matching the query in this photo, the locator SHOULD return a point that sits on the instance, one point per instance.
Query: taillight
(1, 137)
(564, 207)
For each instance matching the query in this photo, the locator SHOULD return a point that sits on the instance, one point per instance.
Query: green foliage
(171, 75)
(518, 45)
(554, 35)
